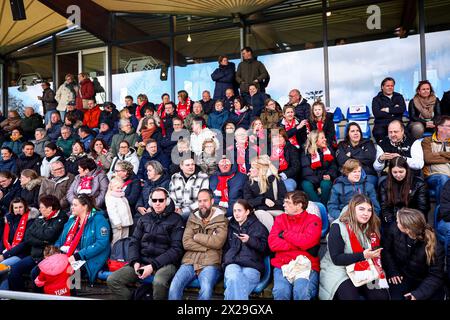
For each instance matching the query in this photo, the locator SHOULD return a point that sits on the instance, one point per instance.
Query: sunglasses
(160, 200)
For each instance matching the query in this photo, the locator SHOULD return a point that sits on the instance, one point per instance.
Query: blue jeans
(240, 281)
(436, 182)
(303, 289)
(8, 262)
(290, 184)
(15, 279)
(208, 278)
(443, 235)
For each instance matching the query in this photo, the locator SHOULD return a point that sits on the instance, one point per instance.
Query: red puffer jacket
(301, 235)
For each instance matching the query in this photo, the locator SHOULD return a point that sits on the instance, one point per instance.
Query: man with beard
(203, 239)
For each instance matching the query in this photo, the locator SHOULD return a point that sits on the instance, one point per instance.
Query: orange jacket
(91, 117)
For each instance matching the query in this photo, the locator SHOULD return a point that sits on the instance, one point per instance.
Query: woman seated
(15, 141)
(9, 189)
(149, 130)
(240, 115)
(295, 240)
(77, 154)
(125, 154)
(413, 258)
(86, 236)
(271, 114)
(52, 154)
(356, 147)
(346, 186)
(401, 189)
(100, 153)
(54, 126)
(295, 129)
(44, 231)
(264, 190)
(321, 120)
(218, 117)
(30, 182)
(353, 238)
(207, 161)
(423, 109)
(319, 168)
(244, 252)
(8, 161)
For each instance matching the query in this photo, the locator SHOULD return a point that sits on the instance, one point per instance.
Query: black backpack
(119, 254)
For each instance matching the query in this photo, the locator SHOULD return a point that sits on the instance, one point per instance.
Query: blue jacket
(148, 187)
(224, 77)
(235, 187)
(243, 120)
(216, 120)
(87, 142)
(8, 165)
(106, 136)
(343, 191)
(257, 102)
(54, 131)
(133, 190)
(160, 156)
(94, 246)
(15, 146)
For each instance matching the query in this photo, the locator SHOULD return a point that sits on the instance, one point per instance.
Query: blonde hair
(265, 169)
(349, 217)
(350, 165)
(208, 141)
(414, 222)
(116, 181)
(311, 142)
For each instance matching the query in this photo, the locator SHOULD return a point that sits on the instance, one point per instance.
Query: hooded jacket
(99, 187)
(91, 117)
(216, 119)
(65, 94)
(131, 137)
(204, 242)
(30, 192)
(47, 161)
(39, 146)
(86, 91)
(365, 152)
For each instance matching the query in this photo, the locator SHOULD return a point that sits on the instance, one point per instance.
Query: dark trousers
(15, 279)
(347, 291)
(398, 291)
(379, 131)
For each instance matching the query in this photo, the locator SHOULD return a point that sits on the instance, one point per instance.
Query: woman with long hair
(322, 120)
(295, 129)
(401, 189)
(353, 238)
(413, 258)
(271, 114)
(264, 190)
(78, 153)
(184, 106)
(30, 182)
(100, 153)
(240, 115)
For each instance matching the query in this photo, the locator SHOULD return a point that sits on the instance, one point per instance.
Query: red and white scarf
(222, 190)
(319, 126)
(20, 232)
(363, 266)
(183, 109)
(278, 155)
(138, 110)
(315, 158)
(74, 235)
(241, 158)
(85, 185)
(289, 126)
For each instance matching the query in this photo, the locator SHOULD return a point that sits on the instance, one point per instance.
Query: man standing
(302, 107)
(48, 100)
(203, 239)
(251, 71)
(155, 248)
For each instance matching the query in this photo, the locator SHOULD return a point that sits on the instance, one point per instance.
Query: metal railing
(16, 295)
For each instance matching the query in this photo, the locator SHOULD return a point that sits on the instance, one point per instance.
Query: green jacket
(65, 145)
(132, 137)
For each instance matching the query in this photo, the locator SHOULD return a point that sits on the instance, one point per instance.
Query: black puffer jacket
(403, 256)
(365, 152)
(133, 190)
(418, 199)
(315, 176)
(34, 163)
(44, 232)
(9, 193)
(157, 239)
(328, 129)
(148, 187)
(250, 254)
(257, 200)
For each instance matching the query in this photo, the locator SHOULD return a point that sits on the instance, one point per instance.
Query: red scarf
(222, 189)
(241, 158)
(85, 185)
(289, 126)
(20, 232)
(315, 158)
(124, 186)
(138, 110)
(161, 111)
(183, 109)
(278, 154)
(74, 237)
(364, 265)
(51, 215)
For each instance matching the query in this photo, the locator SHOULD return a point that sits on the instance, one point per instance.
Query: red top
(91, 117)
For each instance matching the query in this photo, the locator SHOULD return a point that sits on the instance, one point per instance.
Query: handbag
(362, 277)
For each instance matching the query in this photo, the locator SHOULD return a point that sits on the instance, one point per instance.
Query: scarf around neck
(315, 158)
(425, 106)
(18, 235)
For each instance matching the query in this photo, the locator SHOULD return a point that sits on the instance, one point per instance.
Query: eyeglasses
(57, 169)
(160, 200)
(119, 170)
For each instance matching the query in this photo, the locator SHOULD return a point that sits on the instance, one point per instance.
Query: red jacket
(54, 276)
(86, 88)
(301, 232)
(91, 117)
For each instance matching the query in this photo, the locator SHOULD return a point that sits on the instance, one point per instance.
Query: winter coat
(86, 141)
(133, 190)
(48, 100)
(8, 165)
(46, 164)
(40, 145)
(94, 246)
(216, 120)
(106, 136)
(159, 156)
(396, 107)
(315, 176)
(57, 187)
(436, 155)
(292, 156)
(9, 193)
(414, 114)
(444, 210)
(30, 124)
(119, 211)
(65, 94)
(235, 190)
(203, 243)
(301, 134)
(130, 137)
(257, 103)
(190, 119)
(91, 117)
(207, 163)
(44, 232)
(99, 187)
(242, 120)
(103, 160)
(30, 192)
(418, 199)
(131, 157)
(34, 163)
(365, 152)
(71, 163)
(54, 275)
(22, 249)
(15, 146)
(65, 145)
(10, 124)
(250, 254)
(157, 239)
(224, 77)
(300, 236)
(445, 103)
(85, 91)
(257, 200)
(184, 193)
(149, 185)
(248, 71)
(207, 106)
(302, 110)
(328, 129)
(110, 117)
(405, 257)
(54, 132)
(343, 191)
(271, 118)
